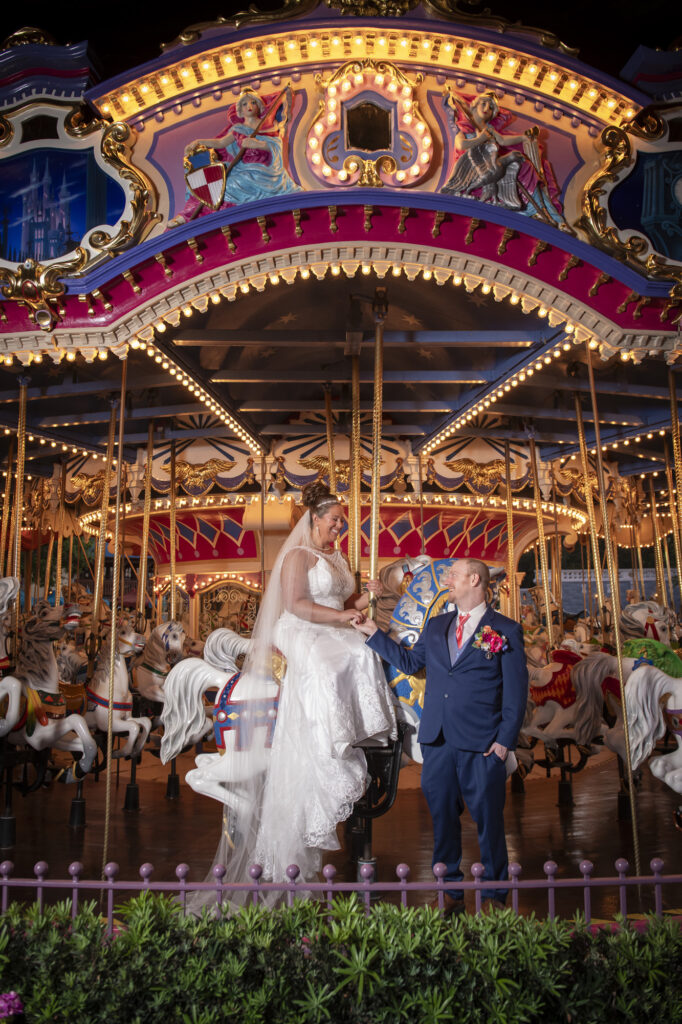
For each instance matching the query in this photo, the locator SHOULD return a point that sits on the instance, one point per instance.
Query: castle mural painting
(49, 199)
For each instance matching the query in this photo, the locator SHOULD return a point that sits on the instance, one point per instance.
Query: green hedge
(303, 964)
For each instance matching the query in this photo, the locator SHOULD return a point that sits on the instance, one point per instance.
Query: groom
(474, 704)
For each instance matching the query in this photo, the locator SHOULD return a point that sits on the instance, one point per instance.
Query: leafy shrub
(308, 965)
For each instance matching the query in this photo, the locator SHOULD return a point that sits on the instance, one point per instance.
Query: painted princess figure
(246, 159)
(498, 167)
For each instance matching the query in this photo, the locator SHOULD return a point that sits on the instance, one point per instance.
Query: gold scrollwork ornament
(117, 146)
(36, 286)
(594, 220)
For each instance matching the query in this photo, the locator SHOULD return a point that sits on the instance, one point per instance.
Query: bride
(333, 695)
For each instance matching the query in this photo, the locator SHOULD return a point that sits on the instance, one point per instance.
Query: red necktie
(461, 622)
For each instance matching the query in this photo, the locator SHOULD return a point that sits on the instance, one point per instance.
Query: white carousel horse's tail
(184, 717)
(645, 693)
(587, 676)
(223, 647)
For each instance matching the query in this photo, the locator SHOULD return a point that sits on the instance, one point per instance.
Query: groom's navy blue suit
(468, 705)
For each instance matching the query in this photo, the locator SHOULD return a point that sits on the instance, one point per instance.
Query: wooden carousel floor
(167, 832)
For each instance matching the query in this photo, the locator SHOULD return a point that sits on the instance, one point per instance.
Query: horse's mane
(630, 621)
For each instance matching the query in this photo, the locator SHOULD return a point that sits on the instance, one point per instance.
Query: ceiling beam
(566, 414)
(392, 339)
(283, 405)
(305, 429)
(102, 416)
(284, 376)
(626, 389)
(89, 387)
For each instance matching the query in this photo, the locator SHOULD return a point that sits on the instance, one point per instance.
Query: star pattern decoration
(286, 319)
(425, 353)
(410, 320)
(477, 299)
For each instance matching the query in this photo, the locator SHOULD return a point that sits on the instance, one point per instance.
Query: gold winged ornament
(320, 463)
(577, 479)
(88, 487)
(477, 475)
(199, 478)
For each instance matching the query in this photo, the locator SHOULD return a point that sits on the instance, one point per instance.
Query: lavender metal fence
(367, 888)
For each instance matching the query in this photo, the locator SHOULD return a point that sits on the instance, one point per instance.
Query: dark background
(606, 32)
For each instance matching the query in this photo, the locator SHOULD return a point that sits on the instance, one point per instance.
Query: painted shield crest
(207, 184)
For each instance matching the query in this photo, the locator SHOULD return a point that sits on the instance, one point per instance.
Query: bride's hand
(349, 616)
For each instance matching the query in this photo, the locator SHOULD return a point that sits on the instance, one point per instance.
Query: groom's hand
(497, 748)
(365, 626)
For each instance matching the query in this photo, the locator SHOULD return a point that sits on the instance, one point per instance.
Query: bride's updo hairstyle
(317, 498)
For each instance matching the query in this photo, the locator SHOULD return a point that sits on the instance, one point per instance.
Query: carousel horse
(649, 619)
(164, 647)
(9, 588)
(653, 701)
(40, 720)
(238, 723)
(128, 643)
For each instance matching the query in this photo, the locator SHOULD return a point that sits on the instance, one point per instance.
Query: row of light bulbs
(193, 386)
(624, 442)
(535, 365)
(26, 358)
(163, 582)
(279, 52)
(65, 448)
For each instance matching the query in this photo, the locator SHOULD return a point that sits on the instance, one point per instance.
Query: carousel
(430, 258)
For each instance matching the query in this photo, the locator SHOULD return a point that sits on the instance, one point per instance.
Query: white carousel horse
(238, 723)
(44, 721)
(9, 588)
(164, 647)
(128, 642)
(649, 619)
(653, 702)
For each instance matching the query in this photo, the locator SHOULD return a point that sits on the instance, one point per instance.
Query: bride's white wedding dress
(333, 695)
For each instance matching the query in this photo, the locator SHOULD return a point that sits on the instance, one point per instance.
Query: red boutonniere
(490, 642)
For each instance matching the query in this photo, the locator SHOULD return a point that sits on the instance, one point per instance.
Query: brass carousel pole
(60, 540)
(612, 565)
(677, 447)
(660, 577)
(113, 636)
(421, 504)
(144, 544)
(513, 612)
(173, 603)
(558, 592)
(68, 594)
(675, 521)
(19, 507)
(48, 565)
(379, 309)
(101, 547)
(355, 517)
(19, 485)
(594, 538)
(542, 543)
(330, 444)
(263, 496)
(6, 510)
(590, 598)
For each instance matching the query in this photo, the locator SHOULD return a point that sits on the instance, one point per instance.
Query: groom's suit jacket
(475, 701)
